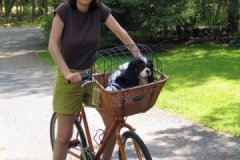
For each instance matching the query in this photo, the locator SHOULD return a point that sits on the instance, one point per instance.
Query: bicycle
(120, 105)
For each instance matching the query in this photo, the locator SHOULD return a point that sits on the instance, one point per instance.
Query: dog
(137, 72)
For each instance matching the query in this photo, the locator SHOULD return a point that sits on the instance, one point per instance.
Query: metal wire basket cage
(129, 101)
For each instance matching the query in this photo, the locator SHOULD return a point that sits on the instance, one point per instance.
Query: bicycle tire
(133, 137)
(75, 140)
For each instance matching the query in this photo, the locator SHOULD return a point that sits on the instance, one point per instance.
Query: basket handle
(138, 98)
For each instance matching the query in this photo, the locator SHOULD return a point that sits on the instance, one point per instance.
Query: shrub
(46, 25)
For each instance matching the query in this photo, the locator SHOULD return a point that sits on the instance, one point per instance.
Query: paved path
(25, 110)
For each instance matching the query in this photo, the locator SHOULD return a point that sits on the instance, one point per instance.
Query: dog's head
(136, 72)
(141, 68)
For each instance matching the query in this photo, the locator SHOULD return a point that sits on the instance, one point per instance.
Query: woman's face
(84, 2)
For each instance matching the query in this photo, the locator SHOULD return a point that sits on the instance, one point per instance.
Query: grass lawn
(45, 57)
(203, 85)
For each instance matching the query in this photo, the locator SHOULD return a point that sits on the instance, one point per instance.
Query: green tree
(1, 7)
(233, 16)
(149, 19)
(8, 4)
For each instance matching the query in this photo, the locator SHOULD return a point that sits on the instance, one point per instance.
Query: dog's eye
(141, 66)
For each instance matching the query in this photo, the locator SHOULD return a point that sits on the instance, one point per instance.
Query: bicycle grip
(84, 78)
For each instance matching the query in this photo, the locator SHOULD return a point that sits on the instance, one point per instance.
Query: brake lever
(86, 78)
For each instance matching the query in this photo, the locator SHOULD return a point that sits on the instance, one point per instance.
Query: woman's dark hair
(94, 4)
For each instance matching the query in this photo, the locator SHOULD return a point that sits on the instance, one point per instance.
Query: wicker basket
(129, 101)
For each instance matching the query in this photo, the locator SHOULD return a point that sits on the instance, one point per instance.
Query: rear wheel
(134, 147)
(77, 142)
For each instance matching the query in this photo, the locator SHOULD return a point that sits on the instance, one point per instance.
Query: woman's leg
(64, 134)
(107, 119)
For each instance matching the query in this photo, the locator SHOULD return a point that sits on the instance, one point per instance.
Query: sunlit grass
(204, 85)
(46, 58)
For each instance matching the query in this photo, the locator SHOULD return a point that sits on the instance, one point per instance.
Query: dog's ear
(133, 67)
(132, 73)
(151, 77)
(150, 66)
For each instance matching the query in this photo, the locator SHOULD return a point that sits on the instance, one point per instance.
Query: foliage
(46, 58)
(46, 24)
(147, 18)
(161, 21)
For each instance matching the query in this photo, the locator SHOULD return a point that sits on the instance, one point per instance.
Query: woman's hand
(74, 78)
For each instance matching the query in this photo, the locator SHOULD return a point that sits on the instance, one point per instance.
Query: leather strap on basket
(151, 97)
(138, 98)
(123, 97)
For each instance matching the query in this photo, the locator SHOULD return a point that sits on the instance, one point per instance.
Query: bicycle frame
(117, 125)
(107, 65)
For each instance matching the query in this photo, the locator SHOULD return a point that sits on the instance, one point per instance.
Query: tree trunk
(17, 10)
(233, 16)
(179, 31)
(1, 7)
(33, 9)
(21, 11)
(219, 7)
(56, 3)
(43, 7)
(8, 7)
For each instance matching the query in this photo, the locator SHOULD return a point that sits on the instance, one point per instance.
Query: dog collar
(114, 84)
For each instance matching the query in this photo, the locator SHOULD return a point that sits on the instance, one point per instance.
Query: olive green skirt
(69, 98)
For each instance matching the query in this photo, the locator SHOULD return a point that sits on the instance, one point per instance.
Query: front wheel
(134, 147)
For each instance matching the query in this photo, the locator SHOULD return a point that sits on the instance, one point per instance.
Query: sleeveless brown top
(81, 34)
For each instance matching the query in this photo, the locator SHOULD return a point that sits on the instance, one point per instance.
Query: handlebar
(87, 78)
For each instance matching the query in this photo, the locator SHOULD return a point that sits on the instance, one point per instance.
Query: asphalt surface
(26, 86)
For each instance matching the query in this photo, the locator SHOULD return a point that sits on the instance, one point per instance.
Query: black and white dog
(139, 71)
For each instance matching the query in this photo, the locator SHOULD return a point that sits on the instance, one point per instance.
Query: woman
(73, 44)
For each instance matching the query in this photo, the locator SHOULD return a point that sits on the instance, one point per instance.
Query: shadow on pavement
(31, 77)
(21, 71)
(193, 142)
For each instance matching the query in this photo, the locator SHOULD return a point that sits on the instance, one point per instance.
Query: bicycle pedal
(73, 143)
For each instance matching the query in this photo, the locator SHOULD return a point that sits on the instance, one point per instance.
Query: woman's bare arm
(53, 47)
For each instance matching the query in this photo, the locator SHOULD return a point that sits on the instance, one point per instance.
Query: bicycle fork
(119, 141)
